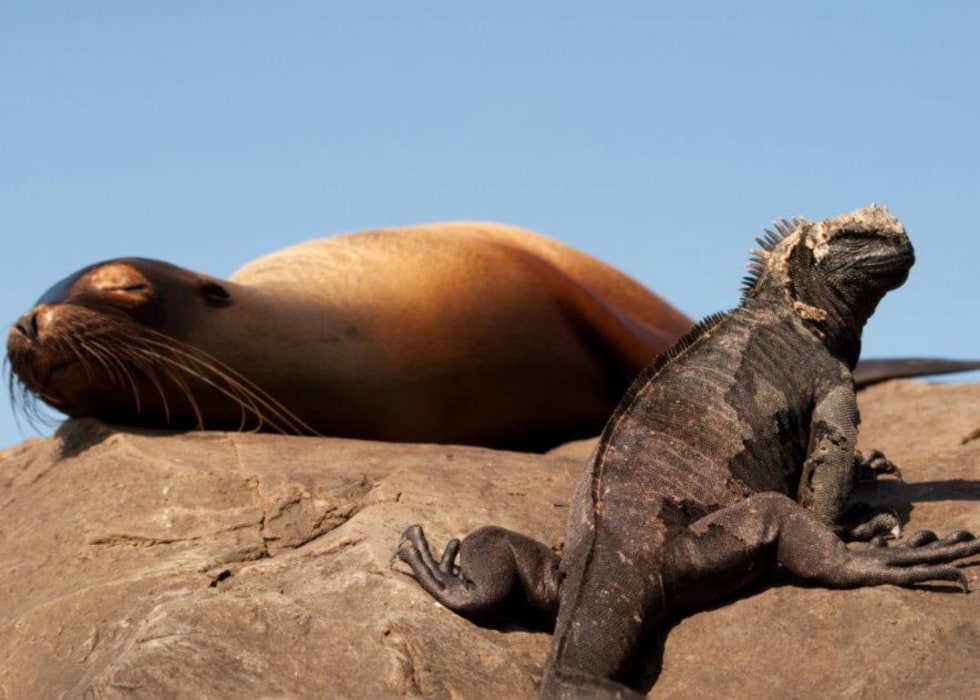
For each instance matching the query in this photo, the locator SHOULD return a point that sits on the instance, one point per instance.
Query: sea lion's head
(116, 341)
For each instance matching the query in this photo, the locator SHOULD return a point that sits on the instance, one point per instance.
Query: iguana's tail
(870, 372)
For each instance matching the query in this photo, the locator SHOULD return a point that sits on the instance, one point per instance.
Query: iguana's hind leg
(503, 577)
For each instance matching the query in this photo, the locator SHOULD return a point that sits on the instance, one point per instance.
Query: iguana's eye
(851, 234)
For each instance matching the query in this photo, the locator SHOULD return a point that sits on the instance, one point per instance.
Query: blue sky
(660, 137)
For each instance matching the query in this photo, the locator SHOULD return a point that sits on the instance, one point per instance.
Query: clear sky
(659, 136)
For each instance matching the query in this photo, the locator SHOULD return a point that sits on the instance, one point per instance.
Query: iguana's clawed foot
(864, 523)
(503, 576)
(874, 465)
(432, 575)
(922, 538)
(925, 556)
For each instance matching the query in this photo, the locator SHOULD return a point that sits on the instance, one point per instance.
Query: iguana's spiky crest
(759, 260)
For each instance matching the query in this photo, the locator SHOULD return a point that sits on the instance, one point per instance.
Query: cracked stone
(224, 565)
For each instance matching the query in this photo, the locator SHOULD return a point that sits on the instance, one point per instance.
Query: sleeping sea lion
(454, 333)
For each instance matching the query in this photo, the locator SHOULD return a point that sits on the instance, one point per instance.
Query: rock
(213, 565)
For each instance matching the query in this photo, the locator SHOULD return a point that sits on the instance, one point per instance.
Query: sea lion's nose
(26, 325)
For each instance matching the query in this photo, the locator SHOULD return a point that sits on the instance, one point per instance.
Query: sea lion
(468, 333)
(454, 332)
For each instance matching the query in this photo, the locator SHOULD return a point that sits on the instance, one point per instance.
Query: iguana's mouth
(892, 277)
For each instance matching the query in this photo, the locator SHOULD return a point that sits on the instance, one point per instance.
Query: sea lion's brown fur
(455, 332)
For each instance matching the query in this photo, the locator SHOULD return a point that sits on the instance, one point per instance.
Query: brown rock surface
(211, 565)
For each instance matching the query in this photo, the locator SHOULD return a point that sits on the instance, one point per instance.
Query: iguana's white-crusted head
(872, 221)
(831, 273)
(863, 253)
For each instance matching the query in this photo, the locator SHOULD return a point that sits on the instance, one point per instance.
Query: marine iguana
(690, 492)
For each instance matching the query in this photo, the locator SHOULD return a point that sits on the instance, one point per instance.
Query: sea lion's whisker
(18, 392)
(183, 362)
(209, 371)
(189, 395)
(151, 361)
(108, 356)
(150, 372)
(25, 402)
(236, 387)
(128, 376)
(114, 367)
(76, 349)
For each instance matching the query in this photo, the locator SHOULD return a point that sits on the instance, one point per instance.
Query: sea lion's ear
(214, 294)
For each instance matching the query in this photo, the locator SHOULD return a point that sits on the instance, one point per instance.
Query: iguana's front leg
(833, 465)
(504, 577)
(724, 550)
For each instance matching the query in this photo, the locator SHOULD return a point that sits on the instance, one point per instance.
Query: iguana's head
(833, 272)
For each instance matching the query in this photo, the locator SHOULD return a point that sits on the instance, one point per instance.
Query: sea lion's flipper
(870, 372)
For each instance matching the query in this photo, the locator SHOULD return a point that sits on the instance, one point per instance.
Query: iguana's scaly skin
(732, 453)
